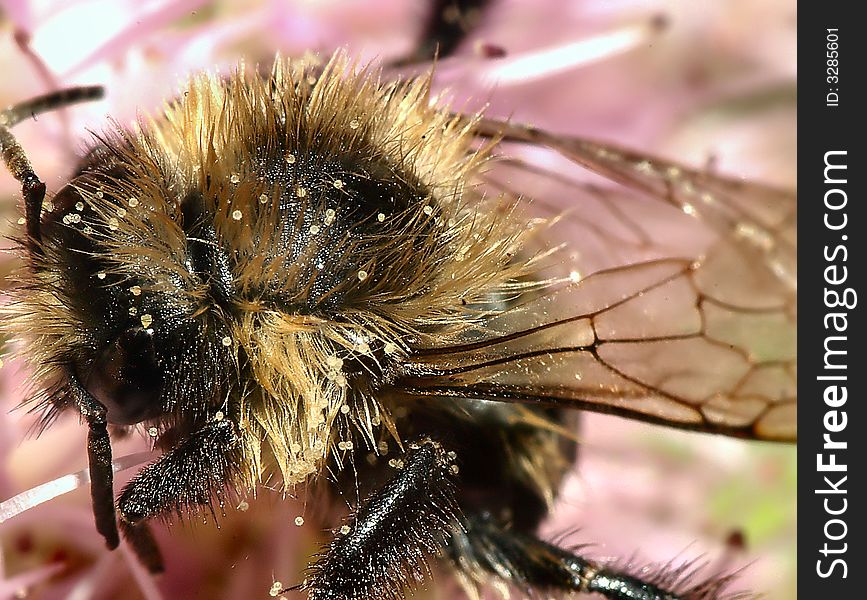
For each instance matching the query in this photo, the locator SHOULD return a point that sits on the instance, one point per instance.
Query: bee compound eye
(126, 378)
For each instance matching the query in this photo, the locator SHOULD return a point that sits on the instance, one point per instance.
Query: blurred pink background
(701, 82)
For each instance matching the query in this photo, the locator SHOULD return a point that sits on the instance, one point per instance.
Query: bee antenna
(16, 159)
(52, 101)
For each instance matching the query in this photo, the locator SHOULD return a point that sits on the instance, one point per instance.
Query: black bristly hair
(384, 548)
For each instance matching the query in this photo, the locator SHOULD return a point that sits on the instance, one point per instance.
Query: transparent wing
(698, 334)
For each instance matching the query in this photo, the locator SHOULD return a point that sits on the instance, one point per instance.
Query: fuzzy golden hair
(420, 274)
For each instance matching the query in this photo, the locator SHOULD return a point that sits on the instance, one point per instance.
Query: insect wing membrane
(701, 338)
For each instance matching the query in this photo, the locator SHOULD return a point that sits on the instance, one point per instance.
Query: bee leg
(99, 460)
(143, 543)
(191, 475)
(484, 548)
(384, 547)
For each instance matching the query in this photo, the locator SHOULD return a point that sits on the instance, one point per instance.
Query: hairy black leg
(15, 158)
(191, 475)
(98, 458)
(386, 544)
(484, 546)
(142, 541)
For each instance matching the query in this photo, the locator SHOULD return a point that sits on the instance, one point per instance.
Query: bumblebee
(281, 275)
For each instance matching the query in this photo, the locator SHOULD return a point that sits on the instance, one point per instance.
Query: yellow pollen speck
(133, 202)
(227, 341)
(136, 290)
(454, 469)
(300, 191)
(100, 275)
(344, 409)
(112, 224)
(146, 320)
(235, 179)
(22, 221)
(382, 447)
(275, 590)
(314, 229)
(237, 214)
(344, 529)
(338, 183)
(428, 210)
(380, 217)
(335, 362)
(575, 276)
(644, 167)
(263, 199)
(243, 506)
(362, 275)
(133, 311)
(389, 348)
(153, 431)
(219, 416)
(290, 159)
(99, 194)
(340, 380)
(79, 206)
(299, 521)
(121, 212)
(354, 124)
